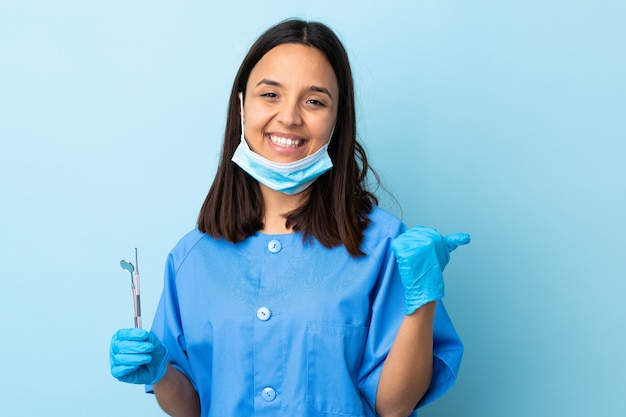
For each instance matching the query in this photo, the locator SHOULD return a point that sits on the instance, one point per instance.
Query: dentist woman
(296, 295)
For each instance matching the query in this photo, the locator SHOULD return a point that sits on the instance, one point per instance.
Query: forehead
(293, 64)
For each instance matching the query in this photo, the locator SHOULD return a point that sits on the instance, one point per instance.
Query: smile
(285, 142)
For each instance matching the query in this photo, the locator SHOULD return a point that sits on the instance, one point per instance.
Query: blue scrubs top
(276, 326)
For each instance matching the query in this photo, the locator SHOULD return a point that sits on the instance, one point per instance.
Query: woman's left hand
(422, 254)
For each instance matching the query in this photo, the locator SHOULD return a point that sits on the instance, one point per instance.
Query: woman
(288, 298)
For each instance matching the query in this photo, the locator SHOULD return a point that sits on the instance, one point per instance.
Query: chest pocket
(334, 353)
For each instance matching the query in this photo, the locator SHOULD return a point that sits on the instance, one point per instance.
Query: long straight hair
(336, 210)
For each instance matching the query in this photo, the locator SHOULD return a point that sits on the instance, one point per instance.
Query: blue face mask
(289, 178)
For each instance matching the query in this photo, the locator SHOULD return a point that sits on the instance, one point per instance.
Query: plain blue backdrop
(506, 120)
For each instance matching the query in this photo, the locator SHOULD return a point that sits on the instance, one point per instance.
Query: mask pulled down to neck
(289, 178)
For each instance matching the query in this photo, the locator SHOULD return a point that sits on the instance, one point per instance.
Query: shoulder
(185, 245)
(383, 228)
(189, 240)
(383, 223)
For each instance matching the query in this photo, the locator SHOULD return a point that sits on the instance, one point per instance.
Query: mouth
(285, 142)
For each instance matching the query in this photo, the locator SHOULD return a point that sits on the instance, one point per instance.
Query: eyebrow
(316, 88)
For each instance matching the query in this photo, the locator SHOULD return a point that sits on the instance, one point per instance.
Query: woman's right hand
(137, 356)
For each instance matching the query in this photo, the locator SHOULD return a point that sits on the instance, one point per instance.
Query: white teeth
(287, 143)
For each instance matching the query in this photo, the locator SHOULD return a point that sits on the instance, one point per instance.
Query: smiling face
(290, 105)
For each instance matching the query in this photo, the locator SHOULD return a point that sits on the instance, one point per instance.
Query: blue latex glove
(422, 254)
(137, 356)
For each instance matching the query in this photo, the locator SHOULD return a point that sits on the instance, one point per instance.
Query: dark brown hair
(337, 208)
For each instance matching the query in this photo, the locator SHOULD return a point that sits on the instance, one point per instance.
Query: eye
(269, 95)
(316, 103)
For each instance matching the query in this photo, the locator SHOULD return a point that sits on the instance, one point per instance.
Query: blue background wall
(502, 119)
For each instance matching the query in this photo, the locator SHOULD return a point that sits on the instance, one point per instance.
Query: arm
(176, 395)
(421, 255)
(407, 371)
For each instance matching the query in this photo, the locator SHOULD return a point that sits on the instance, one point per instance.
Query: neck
(277, 206)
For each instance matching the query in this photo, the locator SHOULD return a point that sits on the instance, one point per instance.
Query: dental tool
(128, 266)
(137, 291)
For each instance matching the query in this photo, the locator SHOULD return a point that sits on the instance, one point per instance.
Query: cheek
(254, 121)
(324, 129)
(256, 115)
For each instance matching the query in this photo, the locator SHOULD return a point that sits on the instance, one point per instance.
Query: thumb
(456, 239)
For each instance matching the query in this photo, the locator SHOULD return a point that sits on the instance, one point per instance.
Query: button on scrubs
(274, 326)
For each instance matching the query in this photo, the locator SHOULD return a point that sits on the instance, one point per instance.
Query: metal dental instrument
(128, 266)
(137, 291)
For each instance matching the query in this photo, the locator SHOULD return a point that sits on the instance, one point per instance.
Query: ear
(240, 95)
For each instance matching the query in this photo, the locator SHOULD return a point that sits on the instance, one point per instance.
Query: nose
(289, 113)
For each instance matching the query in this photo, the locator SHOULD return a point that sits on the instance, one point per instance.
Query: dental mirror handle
(133, 292)
(137, 310)
(137, 293)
